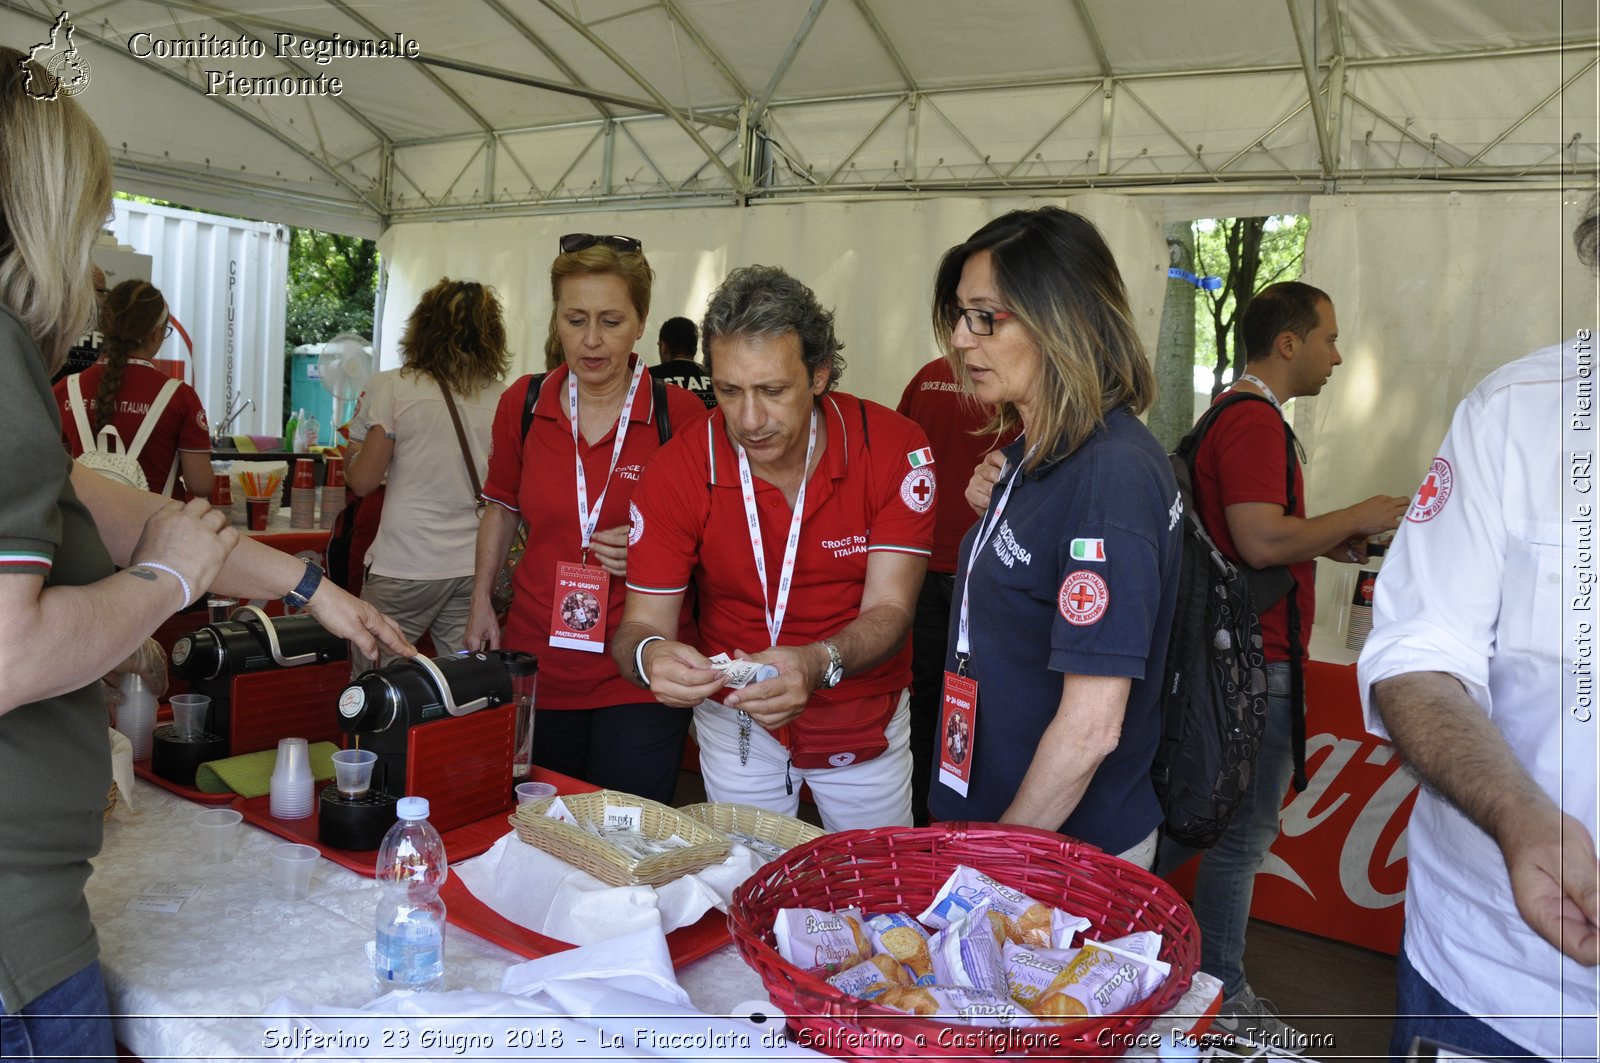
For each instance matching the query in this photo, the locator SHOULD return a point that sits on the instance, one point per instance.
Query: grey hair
(766, 301)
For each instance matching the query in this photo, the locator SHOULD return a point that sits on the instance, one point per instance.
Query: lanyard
(589, 517)
(776, 611)
(1251, 378)
(987, 526)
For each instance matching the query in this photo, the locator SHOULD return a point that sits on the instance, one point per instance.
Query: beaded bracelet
(188, 595)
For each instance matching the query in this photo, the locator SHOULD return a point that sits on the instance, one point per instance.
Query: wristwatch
(834, 673)
(300, 597)
(638, 659)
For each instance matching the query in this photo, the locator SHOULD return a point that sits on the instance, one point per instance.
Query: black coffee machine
(443, 729)
(267, 677)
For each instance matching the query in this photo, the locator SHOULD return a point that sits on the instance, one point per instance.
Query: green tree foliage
(1248, 254)
(333, 281)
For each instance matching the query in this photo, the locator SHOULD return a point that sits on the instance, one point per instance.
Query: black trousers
(930, 638)
(636, 748)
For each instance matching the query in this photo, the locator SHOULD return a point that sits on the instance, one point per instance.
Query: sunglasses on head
(581, 241)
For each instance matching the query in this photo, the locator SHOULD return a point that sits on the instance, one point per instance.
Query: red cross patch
(635, 525)
(917, 489)
(1084, 598)
(1433, 494)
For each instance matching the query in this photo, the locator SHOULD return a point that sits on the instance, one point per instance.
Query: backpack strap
(80, 411)
(148, 425)
(658, 391)
(535, 384)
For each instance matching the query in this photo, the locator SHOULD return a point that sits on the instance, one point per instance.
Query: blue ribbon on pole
(1207, 283)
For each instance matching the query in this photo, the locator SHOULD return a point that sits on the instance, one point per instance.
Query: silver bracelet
(188, 595)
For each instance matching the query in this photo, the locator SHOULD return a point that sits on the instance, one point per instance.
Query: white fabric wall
(872, 263)
(1432, 293)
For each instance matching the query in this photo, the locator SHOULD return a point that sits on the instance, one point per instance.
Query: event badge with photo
(578, 617)
(957, 729)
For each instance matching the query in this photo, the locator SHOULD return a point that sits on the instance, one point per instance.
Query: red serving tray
(141, 768)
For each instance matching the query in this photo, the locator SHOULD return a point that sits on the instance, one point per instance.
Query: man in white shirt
(1480, 669)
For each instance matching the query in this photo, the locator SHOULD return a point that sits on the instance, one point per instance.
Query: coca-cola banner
(1338, 868)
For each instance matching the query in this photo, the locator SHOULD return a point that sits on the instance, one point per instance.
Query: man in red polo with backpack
(804, 518)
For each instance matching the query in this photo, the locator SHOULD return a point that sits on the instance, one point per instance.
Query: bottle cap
(412, 808)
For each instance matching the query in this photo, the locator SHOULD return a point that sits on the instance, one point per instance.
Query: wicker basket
(606, 861)
(896, 869)
(784, 832)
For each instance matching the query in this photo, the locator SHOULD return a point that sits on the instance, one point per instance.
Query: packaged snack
(975, 1007)
(1146, 943)
(1065, 927)
(821, 942)
(1032, 975)
(1100, 981)
(965, 953)
(871, 977)
(900, 936)
(1027, 921)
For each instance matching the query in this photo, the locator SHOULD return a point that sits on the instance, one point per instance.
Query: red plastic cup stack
(303, 494)
(333, 491)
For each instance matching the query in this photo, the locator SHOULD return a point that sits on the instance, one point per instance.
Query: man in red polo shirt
(804, 518)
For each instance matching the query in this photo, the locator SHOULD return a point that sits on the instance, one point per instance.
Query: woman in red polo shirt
(120, 389)
(567, 468)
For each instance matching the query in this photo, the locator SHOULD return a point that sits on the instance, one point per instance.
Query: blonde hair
(1056, 274)
(457, 335)
(630, 266)
(55, 194)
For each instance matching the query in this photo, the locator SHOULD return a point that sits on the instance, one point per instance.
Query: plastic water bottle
(408, 951)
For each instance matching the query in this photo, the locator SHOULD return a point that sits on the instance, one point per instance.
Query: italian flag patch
(1088, 549)
(919, 458)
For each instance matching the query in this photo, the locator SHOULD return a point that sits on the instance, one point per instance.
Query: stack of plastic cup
(136, 715)
(291, 787)
(332, 491)
(303, 495)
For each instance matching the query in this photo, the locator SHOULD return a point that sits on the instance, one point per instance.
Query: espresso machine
(268, 678)
(444, 729)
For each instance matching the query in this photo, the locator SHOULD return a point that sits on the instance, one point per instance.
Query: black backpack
(1214, 701)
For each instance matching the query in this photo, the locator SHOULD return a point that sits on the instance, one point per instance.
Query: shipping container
(226, 283)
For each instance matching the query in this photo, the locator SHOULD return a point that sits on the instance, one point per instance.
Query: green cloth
(250, 774)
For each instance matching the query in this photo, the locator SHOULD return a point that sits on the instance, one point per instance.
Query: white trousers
(873, 793)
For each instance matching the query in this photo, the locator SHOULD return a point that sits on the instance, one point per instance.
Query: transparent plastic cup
(216, 833)
(352, 771)
(291, 786)
(292, 865)
(189, 714)
(528, 792)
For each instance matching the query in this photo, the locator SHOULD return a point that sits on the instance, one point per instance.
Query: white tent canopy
(554, 106)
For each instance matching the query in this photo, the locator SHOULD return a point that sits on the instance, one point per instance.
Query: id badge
(958, 728)
(578, 617)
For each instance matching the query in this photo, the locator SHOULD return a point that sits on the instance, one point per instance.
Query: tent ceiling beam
(1535, 109)
(1308, 61)
(578, 123)
(438, 82)
(1336, 28)
(464, 168)
(516, 161)
(1093, 34)
(639, 79)
(698, 39)
(1261, 141)
(1173, 133)
(648, 161)
(964, 139)
(1048, 133)
(548, 52)
(1404, 129)
(828, 181)
(884, 41)
(237, 111)
(598, 133)
(780, 71)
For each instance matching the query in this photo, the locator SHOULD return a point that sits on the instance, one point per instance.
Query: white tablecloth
(192, 984)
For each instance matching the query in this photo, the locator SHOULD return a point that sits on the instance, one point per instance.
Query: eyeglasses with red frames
(582, 241)
(979, 322)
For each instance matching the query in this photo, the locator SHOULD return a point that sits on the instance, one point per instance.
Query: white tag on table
(164, 897)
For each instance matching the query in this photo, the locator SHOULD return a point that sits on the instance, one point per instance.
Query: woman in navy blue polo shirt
(1066, 586)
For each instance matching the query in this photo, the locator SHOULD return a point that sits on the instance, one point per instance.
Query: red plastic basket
(897, 869)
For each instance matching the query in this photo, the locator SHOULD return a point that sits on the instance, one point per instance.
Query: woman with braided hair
(125, 384)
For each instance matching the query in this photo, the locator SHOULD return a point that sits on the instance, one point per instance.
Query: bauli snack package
(821, 942)
(1065, 927)
(902, 937)
(976, 1007)
(869, 978)
(1027, 921)
(1032, 974)
(965, 952)
(1100, 981)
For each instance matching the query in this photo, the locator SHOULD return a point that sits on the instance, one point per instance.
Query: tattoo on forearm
(142, 573)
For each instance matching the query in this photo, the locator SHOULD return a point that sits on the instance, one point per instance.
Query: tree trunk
(1173, 414)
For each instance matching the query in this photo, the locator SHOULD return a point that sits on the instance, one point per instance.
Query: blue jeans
(1420, 1011)
(1226, 883)
(71, 1020)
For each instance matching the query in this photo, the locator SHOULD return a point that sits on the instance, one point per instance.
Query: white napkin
(536, 890)
(122, 767)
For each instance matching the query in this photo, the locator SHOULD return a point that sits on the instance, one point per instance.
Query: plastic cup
(352, 771)
(294, 757)
(335, 474)
(259, 512)
(305, 472)
(292, 865)
(291, 786)
(189, 714)
(216, 834)
(528, 792)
